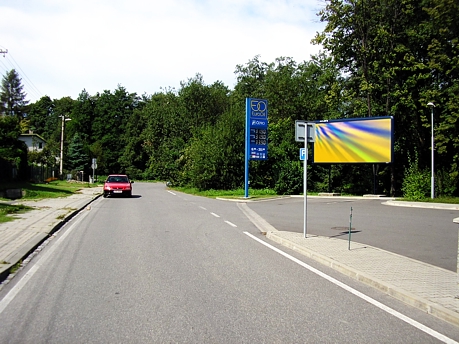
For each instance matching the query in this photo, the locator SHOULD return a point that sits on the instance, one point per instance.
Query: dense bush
(290, 180)
(416, 184)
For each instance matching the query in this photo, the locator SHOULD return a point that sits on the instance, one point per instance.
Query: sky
(62, 47)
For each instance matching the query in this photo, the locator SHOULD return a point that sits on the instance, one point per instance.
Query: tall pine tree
(77, 158)
(12, 97)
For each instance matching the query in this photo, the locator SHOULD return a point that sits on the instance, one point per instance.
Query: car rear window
(118, 180)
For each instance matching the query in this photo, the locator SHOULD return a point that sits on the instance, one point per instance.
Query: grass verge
(238, 193)
(53, 189)
(32, 191)
(268, 193)
(7, 211)
(447, 200)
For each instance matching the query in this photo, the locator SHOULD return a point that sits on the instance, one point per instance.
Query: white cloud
(66, 46)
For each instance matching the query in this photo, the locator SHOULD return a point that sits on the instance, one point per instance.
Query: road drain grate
(343, 228)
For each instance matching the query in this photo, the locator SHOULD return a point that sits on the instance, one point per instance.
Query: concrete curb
(424, 205)
(256, 219)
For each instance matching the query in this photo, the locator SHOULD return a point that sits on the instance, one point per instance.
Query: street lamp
(432, 180)
(62, 143)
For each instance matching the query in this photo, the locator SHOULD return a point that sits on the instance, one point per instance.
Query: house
(34, 142)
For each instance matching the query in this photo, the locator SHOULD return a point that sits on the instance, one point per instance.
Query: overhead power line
(28, 84)
(35, 89)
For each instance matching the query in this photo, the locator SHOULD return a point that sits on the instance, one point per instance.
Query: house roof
(32, 135)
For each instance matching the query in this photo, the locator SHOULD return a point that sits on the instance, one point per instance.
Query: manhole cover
(343, 228)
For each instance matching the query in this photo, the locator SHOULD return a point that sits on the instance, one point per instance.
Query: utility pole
(3, 52)
(61, 162)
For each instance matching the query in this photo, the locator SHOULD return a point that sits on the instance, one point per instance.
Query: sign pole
(305, 132)
(94, 166)
(305, 186)
(247, 145)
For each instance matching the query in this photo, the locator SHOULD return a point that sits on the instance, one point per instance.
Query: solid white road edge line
(378, 304)
(23, 281)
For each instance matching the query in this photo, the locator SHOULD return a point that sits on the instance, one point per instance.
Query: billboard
(357, 140)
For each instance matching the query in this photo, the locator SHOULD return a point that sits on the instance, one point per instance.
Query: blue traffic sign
(302, 153)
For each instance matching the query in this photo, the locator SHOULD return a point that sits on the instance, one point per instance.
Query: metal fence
(42, 173)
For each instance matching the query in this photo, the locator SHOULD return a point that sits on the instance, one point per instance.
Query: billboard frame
(380, 135)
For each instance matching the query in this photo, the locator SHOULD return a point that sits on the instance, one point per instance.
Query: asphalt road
(164, 267)
(427, 235)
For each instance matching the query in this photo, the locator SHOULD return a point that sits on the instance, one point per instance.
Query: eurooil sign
(256, 134)
(258, 125)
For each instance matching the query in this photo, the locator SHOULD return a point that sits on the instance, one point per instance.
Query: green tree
(111, 113)
(77, 158)
(250, 80)
(12, 97)
(174, 119)
(83, 116)
(13, 153)
(203, 103)
(397, 56)
(443, 89)
(42, 118)
(214, 159)
(165, 135)
(134, 158)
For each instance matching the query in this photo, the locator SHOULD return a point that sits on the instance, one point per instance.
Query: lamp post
(62, 144)
(432, 180)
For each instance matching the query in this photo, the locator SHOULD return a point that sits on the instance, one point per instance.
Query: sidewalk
(20, 237)
(427, 287)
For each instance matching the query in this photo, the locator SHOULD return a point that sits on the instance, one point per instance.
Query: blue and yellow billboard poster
(359, 140)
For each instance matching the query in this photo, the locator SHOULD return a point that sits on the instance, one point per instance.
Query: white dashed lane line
(213, 214)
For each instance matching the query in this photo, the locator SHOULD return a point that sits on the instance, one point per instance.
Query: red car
(118, 184)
